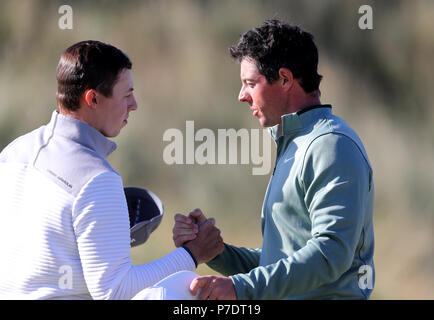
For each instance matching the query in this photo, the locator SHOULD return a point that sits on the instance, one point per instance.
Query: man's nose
(243, 96)
(133, 104)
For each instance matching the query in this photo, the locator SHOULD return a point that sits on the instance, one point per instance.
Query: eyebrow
(249, 79)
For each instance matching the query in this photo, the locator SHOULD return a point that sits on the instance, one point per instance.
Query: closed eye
(129, 92)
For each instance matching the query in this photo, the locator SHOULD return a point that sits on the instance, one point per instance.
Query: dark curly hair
(88, 65)
(275, 45)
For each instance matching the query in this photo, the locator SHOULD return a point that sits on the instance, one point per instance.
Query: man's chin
(112, 134)
(266, 124)
(262, 122)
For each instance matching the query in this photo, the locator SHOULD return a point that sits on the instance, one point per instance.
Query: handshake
(203, 239)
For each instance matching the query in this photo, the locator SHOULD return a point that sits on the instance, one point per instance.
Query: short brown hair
(88, 65)
(275, 45)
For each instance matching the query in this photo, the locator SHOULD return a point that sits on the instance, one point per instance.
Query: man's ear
(286, 78)
(91, 98)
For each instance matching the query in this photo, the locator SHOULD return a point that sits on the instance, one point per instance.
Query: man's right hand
(199, 235)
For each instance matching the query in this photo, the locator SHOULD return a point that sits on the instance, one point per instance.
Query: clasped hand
(203, 239)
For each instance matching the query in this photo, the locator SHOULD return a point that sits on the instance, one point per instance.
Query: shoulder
(101, 195)
(104, 184)
(24, 147)
(333, 139)
(332, 145)
(70, 165)
(332, 155)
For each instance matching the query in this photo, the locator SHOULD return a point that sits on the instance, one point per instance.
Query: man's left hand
(213, 288)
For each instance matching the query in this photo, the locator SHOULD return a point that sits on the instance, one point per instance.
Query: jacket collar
(81, 133)
(294, 122)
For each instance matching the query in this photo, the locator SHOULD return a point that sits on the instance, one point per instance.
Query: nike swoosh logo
(287, 160)
(332, 185)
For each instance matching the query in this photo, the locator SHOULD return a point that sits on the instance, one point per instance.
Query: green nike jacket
(317, 216)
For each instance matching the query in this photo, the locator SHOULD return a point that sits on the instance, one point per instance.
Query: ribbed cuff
(192, 256)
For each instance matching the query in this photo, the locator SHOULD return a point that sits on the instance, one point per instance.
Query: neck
(306, 100)
(78, 114)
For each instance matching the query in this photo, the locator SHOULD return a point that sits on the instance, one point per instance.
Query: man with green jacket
(317, 215)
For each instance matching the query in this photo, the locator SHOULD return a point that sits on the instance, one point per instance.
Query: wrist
(191, 254)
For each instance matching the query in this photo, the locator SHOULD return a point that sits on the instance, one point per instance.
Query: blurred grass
(379, 81)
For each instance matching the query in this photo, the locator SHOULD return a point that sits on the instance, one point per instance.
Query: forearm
(304, 271)
(146, 275)
(235, 260)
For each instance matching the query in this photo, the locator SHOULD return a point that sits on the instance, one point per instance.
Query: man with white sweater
(64, 225)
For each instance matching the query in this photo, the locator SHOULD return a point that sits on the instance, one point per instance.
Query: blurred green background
(380, 81)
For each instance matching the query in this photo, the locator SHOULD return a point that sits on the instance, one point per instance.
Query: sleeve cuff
(191, 255)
